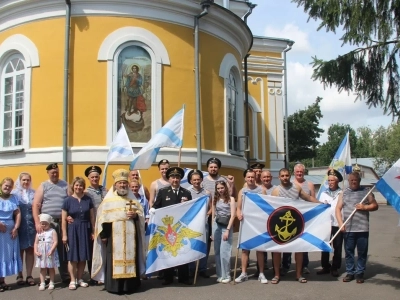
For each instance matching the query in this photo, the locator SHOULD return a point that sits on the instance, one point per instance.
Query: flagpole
(239, 236)
(354, 211)
(180, 148)
(195, 274)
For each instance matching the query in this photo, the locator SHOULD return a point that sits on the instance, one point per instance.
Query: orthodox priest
(119, 253)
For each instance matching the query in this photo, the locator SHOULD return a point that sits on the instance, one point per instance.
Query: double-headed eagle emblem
(172, 238)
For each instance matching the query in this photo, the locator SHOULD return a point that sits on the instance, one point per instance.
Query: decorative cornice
(97, 155)
(219, 22)
(267, 44)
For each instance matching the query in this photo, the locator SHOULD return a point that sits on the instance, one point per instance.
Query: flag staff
(180, 148)
(351, 215)
(195, 273)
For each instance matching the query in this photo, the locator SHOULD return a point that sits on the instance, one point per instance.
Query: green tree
(336, 133)
(389, 152)
(373, 28)
(365, 143)
(303, 132)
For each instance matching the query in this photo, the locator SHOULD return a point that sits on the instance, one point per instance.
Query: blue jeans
(351, 241)
(222, 251)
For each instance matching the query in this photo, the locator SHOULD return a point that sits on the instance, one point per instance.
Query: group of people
(67, 226)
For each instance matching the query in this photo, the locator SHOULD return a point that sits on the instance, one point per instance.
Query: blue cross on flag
(280, 224)
(177, 235)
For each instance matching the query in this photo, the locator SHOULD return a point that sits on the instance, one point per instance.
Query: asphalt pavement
(382, 277)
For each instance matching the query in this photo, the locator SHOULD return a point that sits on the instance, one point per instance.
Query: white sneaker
(219, 279)
(262, 279)
(51, 286)
(242, 277)
(42, 286)
(226, 280)
(306, 270)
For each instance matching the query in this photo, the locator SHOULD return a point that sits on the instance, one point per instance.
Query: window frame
(13, 111)
(230, 66)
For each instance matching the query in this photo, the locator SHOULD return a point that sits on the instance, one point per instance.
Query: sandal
(30, 281)
(72, 286)
(301, 280)
(275, 280)
(5, 287)
(81, 283)
(20, 280)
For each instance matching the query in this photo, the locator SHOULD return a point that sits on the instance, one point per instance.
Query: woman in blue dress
(27, 231)
(10, 219)
(77, 235)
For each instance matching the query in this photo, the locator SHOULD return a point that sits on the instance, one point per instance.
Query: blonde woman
(77, 235)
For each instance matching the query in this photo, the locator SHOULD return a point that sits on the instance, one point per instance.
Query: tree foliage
(303, 132)
(373, 28)
(389, 151)
(336, 133)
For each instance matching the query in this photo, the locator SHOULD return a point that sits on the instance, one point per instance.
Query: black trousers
(183, 273)
(337, 245)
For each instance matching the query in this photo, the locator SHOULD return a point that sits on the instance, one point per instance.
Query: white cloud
(292, 32)
(335, 107)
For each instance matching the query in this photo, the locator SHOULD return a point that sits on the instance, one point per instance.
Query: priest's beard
(122, 191)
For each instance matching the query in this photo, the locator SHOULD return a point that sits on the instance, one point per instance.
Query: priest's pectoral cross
(130, 204)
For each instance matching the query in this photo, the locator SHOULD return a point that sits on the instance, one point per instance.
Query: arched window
(18, 55)
(232, 95)
(12, 101)
(230, 71)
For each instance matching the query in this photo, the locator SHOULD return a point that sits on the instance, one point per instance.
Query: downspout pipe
(290, 44)
(205, 6)
(246, 86)
(66, 79)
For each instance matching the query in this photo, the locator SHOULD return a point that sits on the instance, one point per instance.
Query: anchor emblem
(283, 232)
(285, 224)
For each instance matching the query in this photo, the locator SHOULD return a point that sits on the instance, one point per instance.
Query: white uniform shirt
(331, 198)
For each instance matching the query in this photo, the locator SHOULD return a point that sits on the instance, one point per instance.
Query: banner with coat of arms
(280, 224)
(177, 235)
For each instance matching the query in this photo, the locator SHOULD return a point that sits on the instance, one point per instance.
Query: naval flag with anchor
(284, 225)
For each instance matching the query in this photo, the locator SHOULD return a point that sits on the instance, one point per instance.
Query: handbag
(222, 220)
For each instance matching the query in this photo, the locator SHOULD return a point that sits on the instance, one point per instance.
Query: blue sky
(284, 19)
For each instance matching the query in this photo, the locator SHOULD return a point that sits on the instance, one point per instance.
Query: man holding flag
(289, 190)
(356, 231)
(171, 195)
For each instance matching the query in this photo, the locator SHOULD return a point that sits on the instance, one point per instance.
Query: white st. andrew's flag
(280, 224)
(170, 135)
(177, 235)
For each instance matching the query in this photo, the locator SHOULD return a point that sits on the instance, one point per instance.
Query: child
(46, 251)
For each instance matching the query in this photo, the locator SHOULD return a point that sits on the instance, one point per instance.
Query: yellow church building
(72, 72)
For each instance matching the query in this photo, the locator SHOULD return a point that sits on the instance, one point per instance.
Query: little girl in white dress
(46, 251)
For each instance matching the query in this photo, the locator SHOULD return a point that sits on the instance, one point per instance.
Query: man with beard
(213, 166)
(290, 190)
(330, 196)
(162, 182)
(167, 196)
(251, 187)
(119, 232)
(49, 198)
